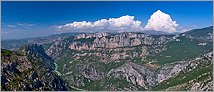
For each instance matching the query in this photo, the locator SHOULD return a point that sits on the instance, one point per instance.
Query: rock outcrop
(136, 74)
(104, 40)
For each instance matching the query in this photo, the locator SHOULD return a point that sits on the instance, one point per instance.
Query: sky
(35, 19)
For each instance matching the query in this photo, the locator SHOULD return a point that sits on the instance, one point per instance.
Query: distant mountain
(153, 32)
(200, 32)
(15, 44)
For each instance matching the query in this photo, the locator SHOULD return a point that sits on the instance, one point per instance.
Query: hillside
(197, 33)
(29, 70)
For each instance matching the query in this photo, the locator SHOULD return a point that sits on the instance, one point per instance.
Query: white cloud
(124, 23)
(25, 25)
(11, 26)
(160, 21)
(19, 25)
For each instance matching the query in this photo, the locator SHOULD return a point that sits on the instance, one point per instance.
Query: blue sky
(33, 19)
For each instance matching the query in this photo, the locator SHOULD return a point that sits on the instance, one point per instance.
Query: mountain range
(127, 61)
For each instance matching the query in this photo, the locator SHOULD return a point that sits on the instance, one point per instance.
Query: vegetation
(138, 60)
(186, 77)
(86, 40)
(106, 67)
(5, 52)
(200, 32)
(184, 49)
(107, 84)
(46, 46)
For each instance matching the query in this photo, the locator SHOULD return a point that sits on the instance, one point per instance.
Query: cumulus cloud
(160, 21)
(124, 23)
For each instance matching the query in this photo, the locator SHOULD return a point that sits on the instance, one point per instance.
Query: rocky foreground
(29, 69)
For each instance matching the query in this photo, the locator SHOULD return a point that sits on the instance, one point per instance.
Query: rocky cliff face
(115, 41)
(136, 74)
(29, 69)
(56, 48)
(90, 73)
(111, 47)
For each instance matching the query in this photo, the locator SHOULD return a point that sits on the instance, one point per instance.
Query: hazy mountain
(153, 32)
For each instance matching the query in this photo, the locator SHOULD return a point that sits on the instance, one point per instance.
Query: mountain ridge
(124, 61)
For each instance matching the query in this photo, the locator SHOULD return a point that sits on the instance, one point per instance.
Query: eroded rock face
(136, 74)
(81, 46)
(103, 40)
(91, 73)
(56, 48)
(144, 51)
(167, 72)
(200, 86)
